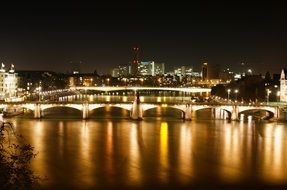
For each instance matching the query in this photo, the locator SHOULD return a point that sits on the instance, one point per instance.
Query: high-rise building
(146, 68)
(8, 82)
(151, 68)
(124, 70)
(204, 72)
(159, 69)
(183, 71)
(116, 72)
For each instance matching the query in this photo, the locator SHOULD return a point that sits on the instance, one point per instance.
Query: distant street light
(228, 94)
(39, 91)
(236, 91)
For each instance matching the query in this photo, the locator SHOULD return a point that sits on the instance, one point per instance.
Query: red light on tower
(135, 60)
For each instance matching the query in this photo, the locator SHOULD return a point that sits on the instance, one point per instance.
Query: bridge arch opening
(164, 112)
(61, 112)
(257, 114)
(109, 112)
(203, 113)
(21, 112)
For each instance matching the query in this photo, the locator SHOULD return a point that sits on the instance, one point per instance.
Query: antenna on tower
(135, 61)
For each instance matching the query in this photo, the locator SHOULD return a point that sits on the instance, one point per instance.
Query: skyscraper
(135, 61)
(204, 72)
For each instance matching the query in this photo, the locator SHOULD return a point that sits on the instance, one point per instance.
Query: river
(158, 152)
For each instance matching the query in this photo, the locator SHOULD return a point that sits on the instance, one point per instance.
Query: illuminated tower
(283, 86)
(204, 72)
(135, 61)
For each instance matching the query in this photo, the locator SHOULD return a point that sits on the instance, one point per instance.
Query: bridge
(139, 88)
(137, 109)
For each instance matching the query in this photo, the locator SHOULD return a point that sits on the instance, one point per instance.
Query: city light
(228, 94)
(236, 91)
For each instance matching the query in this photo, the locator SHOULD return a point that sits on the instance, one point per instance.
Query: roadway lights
(236, 91)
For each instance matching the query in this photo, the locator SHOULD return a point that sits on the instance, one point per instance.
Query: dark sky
(101, 34)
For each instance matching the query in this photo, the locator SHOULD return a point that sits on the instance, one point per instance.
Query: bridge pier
(136, 110)
(37, 111)
(241, 117)
(85, 111)
(234, 113)
(280, 114)
(217, 113)
(188, 111)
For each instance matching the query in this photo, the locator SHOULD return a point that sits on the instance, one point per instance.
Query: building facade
(8, 82)
(150, 68)
(283, 86)
(204, 72)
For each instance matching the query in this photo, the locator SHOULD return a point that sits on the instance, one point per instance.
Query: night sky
(101, 34)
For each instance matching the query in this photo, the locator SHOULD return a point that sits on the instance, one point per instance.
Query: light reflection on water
(124, 153)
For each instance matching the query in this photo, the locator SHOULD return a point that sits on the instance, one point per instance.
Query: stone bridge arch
(181, 108)
(272, 111)
(122, 106)
(74, 106)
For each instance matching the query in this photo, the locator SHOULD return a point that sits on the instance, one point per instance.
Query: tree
(15, 158)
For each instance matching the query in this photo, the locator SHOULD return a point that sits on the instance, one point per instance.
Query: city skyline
(101, 35)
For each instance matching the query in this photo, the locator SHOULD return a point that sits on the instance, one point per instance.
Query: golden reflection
(91, 98)
(185, 154)
(158, 99)
(110, 139)
(108, 98)
(108, 108)
(85, 151)
(61, 141)
(109, 153)
(85, 138)
(134, 155)
(39, 163)
(125, 98)
(274, 158)
(164, 152)
(231, 153)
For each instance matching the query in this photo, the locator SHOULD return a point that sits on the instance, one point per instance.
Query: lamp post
(236, 91)
(85, 95)
(267, 95)
(108, 81)
(39, 93)
(278, 96)
(141, 81)
(228, 94)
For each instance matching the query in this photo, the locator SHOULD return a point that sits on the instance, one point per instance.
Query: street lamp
(39, 93)
(278, 96)
(141, 81)
(236, 91)
(267, 95)
(228, 94)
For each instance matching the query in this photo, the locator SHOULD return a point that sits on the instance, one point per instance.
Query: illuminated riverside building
(283, 86)
(8, 82)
